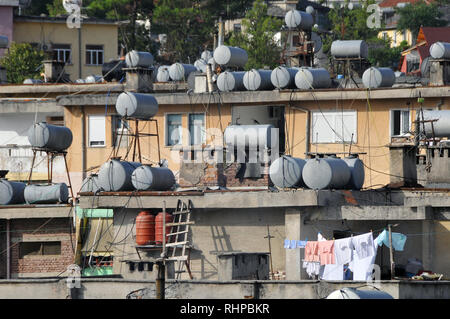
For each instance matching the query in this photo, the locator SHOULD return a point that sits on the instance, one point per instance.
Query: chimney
(53, 70)
(439, 72)
(403, 170)
(139, 79)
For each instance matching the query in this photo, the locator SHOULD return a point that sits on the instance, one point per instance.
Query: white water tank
(352, 293)
(162, 75)
(230, 56)
(152, 178)
(46, 194)
(50, 137)
(326, 173)
(441, 126)
(251, 136)
(180, 71)
(206, 55)
(283, 77)
(378, 77)
(115, 175)
(286, 172)
(90, 184)
(11, 192)
(299, 19)
(258, 80)
(136, 59)
(357, 172)
(309, 78)
(349, 49)
(136, 105)
(440, 50)
(231, 81)
(201, 64)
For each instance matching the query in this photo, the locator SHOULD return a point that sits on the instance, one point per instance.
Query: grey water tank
(4, 42)
(286, 172)
(115, 175)
(356, 166)
(93, 79)
(180, 72)
(90, 184)
(11, 192)
(152, 178)
(378, 77)
(425, 67)
(32, 81)
(441, 126)
(135, 59)
(230, 56)
(258, 80)
(46, 194)
(283, 77)
(252, 136)
(310, 10)
(200, 64)
(50, 137)
(309, 78)
(136, 105)
(326, 173)
(317, 41)
(299, 19)
(231, 81)
(349, 49)
(162, 75)
(440, 50)
(352, 293)
(206, 55)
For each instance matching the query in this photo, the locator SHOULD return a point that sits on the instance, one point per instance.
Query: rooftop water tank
(310, 10)
(180, 72)
(352, 293)
(50, 137)
(349, 49)
(93, 79)
(11, 192)
(90, 184)
(251, 136)
(113, 70)
(326, 173)
(32, 81)
(46, 194)
(201, 64)
(258, 80)
(309, 78)
(378, 77)
(152, 178)
(317, 41)
(135, 59)
(206, 55)
(283, 77)
(440, 50)
(136, 105)
(441, 126)
(286, 172)
(162, 75)
(231, 81)
(356, 166)
(299, 19)
(230, 56)
(4, 42)
(115, 175)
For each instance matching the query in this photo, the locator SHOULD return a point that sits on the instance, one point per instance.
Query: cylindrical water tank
(352, 293)
(159, 227)
(441, 127)
(135, 59)
(349, 49)
(231, 81)
(424, 68)
(90, 184)
(152, 178)
(50, 137)
(3, 42)
(200, 64)
(180, 72)
(113, 70)
(32, 81)
(310, 10)
(258, 80)
(378, 77)
(356, 166)
(309, 78)
(115, 175)
(283, 77)
(440, 50)
(93, 79)
(230, 56)
(145, 228)
(11, 192)
(325, 173)
(286, 172)
(251, 136)
(299, 19)
(136, 105)
(317, 41)
(46, 194)
(162, 75)
(206, 55)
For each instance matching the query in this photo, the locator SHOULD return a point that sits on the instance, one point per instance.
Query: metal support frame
(304, 52)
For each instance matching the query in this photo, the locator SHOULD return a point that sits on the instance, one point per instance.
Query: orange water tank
(159, 226)
(145, 228)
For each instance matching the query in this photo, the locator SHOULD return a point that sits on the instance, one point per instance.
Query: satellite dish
(317, 41)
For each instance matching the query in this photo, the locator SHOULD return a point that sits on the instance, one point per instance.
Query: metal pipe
(221, 32)
(83, 142)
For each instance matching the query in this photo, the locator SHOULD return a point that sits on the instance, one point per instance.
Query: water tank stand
(347, 65)
(51, 154)
(301, 50)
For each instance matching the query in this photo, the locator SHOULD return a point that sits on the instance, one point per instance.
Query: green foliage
(56, 8)
(37, 7)
(22, 62)
(257, 37)
(413, 16)
(381, 54)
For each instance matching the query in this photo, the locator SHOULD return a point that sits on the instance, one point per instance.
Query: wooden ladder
(178, 238)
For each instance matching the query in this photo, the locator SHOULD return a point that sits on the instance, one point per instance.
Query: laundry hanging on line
(398, 240)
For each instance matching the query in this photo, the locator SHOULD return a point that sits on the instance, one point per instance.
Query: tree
(56, 8)
(37, 7)
(384, 55)
(413, 16)
(257, 37)
(21, 62)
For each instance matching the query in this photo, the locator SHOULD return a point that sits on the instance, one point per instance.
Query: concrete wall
(6, 27)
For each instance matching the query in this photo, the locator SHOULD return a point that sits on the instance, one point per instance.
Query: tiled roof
(393, 3)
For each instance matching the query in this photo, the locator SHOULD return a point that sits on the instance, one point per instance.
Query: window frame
(41, 249)
(189, 127)
(89, 130)
(95, 52)
(63, 50)
(391, 123)
(115, 130)
(166, 128)
(336, 139)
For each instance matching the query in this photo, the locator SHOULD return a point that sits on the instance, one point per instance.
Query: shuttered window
(97, 136)
(334, 127)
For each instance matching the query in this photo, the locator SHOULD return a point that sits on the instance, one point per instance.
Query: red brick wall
(42, 264)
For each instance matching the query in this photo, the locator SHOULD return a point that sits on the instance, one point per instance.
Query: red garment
(312, 251)
(326, 252)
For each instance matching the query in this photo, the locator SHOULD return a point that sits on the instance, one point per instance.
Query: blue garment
(293, 244)
(398, 240)
(287, 243)
(301, 243)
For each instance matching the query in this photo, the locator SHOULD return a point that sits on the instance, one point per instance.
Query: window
(237, 27)
(97, 131)
(94, 54)
(119, 126)
(62, 53)
(173, 129)
(384, 35)
(334, 127)
(55, 120)
(46, 248)
(197, 128)
(400, 123)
